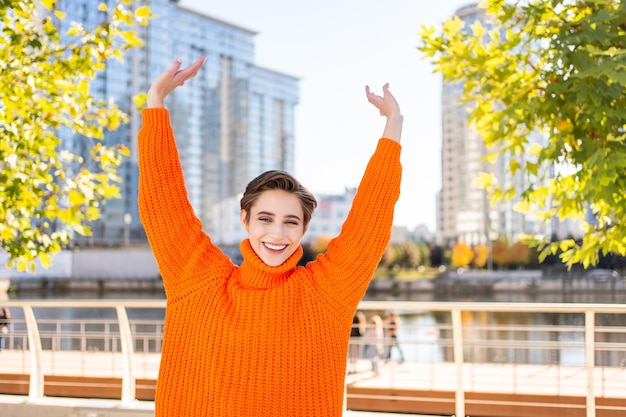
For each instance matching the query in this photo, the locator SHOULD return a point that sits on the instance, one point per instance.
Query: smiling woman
(267, 338)
(275, 211)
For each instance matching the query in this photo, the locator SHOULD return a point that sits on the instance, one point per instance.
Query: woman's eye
(265, 219)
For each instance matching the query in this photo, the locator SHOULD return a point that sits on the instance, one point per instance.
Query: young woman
(267, 338)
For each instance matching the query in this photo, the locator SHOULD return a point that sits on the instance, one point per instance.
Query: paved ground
(492, 378)
(441, 376)
(19, 406)
(438, 377)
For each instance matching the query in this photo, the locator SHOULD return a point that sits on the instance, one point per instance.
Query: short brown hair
(278, 180)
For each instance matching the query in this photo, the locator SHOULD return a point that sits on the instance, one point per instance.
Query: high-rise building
(464, 214)
(232, 121)
(464, 210)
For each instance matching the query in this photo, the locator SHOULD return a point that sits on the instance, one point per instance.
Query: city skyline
(336, 49)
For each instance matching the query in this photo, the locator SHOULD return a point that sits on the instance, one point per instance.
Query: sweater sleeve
(345, 270)
(184, 254)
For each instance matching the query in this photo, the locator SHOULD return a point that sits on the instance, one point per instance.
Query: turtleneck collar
(256, 273)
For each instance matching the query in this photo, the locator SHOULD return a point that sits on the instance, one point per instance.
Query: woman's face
(276, 226)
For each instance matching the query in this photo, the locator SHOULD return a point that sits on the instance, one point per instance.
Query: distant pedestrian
(5, 321)
(374, 342)
(356, 333)
(392, 336)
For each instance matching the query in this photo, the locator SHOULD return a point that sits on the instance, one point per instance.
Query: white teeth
(275, 247)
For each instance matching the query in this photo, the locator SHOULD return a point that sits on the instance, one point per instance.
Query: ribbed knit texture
(256, 340)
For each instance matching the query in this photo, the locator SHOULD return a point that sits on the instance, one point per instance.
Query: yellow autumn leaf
(566, 244)
(485, 180)
(124, 150)
(21, 266)
(82, 229)
(48, 4)
(45, 260)
(522, 207)
(75, 198)
(491, 157)
(143, 11)
(534, 149)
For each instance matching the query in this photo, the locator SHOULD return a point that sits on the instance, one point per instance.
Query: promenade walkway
(489, 378)
(464, 359)
(498, 390)
(19, 406)
(490, 390)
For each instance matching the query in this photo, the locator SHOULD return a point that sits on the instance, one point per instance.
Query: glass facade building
(232, 121)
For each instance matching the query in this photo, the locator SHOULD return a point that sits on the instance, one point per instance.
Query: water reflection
(418, 336)
(566, 295)
(612, 297)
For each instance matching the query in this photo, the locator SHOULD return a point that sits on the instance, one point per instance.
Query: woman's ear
(242, 217)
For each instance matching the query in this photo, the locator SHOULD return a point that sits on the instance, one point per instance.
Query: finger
(198, 64)
(386, 89)
(176, 65)
(191, 70)
(371, 97)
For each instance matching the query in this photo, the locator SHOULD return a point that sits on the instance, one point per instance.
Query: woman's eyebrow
(268, 213)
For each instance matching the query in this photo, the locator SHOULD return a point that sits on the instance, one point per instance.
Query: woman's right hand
(170, 79)
(389, 108)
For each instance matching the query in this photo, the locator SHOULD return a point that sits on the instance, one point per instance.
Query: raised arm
(184, 253)
(352, 257)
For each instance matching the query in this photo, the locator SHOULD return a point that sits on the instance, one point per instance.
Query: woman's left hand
(170, 79)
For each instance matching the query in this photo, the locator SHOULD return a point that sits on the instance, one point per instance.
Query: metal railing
(590, 338)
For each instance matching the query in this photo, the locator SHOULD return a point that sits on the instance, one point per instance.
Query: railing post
(83, 337)
(590, 361)
(457, 340)
(126, 340)
(35, 389)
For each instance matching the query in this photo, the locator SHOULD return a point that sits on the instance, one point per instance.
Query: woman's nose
(277, 230)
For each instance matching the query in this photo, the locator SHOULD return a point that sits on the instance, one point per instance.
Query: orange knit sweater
(256, 340)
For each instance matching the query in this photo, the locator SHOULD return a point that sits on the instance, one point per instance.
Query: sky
(336, 48)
